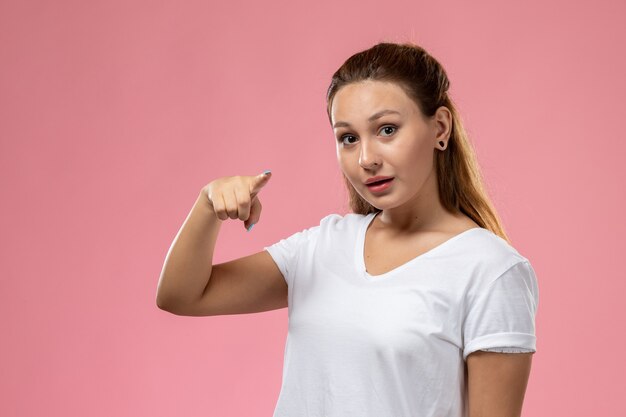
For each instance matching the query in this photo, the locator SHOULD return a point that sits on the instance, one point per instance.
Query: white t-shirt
(395, 345)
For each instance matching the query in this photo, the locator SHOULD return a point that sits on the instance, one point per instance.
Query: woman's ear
(443, 122)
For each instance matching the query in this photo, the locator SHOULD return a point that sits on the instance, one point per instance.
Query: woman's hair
(425, 81)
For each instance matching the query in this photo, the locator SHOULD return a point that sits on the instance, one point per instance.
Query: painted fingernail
(266, 172)
(250, 228)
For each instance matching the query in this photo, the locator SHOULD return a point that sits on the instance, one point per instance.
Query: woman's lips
(380, 186)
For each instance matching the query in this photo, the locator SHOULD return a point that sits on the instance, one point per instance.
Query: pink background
(113, 115)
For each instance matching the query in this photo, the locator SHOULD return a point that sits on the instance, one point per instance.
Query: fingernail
(266, 172)
(250, 228)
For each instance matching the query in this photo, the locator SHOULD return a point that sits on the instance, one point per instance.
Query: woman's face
(398, 144)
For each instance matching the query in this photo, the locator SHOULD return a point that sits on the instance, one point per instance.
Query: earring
(442, 143)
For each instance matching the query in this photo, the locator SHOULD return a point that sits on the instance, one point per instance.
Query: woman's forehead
(367, 98)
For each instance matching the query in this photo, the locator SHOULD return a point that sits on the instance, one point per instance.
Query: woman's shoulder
(335, 226)
(346, 216)
(482, 243)
(342, 222)
(490, 250)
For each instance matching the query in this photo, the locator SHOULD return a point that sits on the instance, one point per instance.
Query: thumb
(259, 182)
(255, 213)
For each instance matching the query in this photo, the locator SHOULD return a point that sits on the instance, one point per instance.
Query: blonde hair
(423, 79)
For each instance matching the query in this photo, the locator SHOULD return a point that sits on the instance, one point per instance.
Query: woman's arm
(189, 261)
(188, 267)
(497, 383)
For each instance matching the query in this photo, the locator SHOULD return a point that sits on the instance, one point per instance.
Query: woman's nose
(368, 156)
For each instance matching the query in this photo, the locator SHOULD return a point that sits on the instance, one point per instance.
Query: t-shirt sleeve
(286, 251)
(502, 317)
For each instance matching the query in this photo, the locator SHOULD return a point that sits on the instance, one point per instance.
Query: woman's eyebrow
(373, 117)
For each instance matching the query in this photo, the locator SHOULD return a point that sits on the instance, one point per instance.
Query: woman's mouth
(379, 186)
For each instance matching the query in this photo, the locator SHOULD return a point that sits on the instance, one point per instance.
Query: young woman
(415, 304)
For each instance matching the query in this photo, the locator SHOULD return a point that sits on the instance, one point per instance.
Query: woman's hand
(236, 197)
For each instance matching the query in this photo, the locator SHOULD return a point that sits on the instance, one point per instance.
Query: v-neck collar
(360, 250)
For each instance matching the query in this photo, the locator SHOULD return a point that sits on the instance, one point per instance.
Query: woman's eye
(393, 129)
(389, 130)
(346, 136)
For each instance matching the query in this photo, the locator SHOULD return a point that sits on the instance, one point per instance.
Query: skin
(413, 220)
